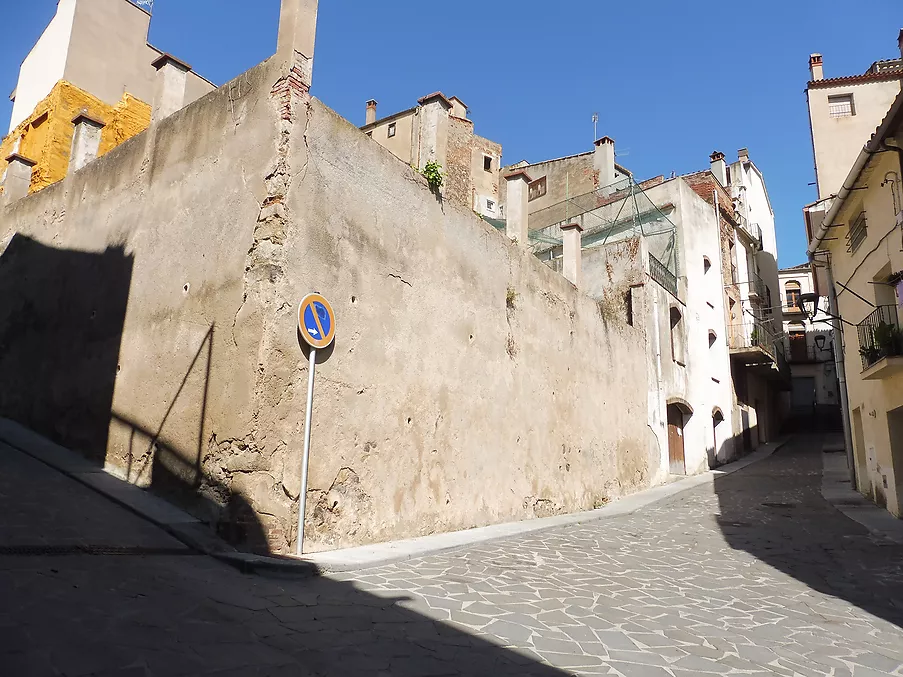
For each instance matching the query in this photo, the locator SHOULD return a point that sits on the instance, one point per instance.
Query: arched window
(706, 264)
(792, 293)
(713, 337)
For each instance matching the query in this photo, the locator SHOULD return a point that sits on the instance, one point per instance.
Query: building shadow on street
(774, 510)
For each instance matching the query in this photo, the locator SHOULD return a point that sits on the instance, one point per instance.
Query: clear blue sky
(672, 81)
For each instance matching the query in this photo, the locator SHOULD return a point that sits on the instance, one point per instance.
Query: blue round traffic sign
(316, 321)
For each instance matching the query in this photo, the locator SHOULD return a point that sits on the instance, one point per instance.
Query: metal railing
(752, 229)
(880, 336)
(756, 286)
(659, 272)
(752, 334)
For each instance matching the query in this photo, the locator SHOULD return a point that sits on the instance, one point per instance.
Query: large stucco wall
(468, 384)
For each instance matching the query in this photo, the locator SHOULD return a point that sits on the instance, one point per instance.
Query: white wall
(45, 64)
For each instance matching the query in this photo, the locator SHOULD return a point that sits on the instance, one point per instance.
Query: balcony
(757, 288)
(752, 342)
(881, 343)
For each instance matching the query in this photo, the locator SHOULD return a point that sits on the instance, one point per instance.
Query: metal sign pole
(302, 507)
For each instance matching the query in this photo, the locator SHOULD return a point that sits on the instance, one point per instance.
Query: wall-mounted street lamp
(808, 304)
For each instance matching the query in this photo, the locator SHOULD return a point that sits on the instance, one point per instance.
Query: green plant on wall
(432, 172)
(756, 336)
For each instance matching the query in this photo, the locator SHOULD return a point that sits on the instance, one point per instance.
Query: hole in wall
(186, 287)
(410, 420)
(354, 299)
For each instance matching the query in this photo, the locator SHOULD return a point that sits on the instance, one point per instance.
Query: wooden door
(676, 441)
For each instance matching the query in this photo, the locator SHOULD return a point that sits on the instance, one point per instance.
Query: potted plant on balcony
(870, 354)
(887, 338)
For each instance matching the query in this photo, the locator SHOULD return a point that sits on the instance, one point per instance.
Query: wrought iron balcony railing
(660, 273)
(753, 334)
(880, 336)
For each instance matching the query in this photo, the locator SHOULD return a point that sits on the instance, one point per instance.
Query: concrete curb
(177, 523)
(371, 556)
(836, 490)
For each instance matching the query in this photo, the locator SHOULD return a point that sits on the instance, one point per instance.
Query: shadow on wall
(61, 319)
(62, 314)
(774, 510)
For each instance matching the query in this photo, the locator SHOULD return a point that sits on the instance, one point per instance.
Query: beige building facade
(844, 112)
(438, 130)
(856, 241)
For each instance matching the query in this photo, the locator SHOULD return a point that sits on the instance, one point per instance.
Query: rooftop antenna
(595, 124)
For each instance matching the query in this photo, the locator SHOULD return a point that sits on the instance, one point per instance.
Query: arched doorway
(678, 412)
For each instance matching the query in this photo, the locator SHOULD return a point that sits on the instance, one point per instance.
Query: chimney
(604, 161)
(719, 167)
(17, 181)
(371, 111)
(572, 236)
(518, 211)
(816, 72)
(900, 42)
(297, 36)
(743, 155)
(172, 77)
(85, 141)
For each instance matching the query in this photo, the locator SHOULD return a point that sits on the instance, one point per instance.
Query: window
(677, 342)
(792, 294)
(857, 233)
(490, 205)
(706, 264)
(391, 130)
(487, 163)
(536, 189)
(628, 303)
(841, 106)
(713, 338)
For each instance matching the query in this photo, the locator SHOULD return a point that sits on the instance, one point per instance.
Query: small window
(490, 205)
(487, 163)
(628, 303)
(706, 264)
(536, 189)
(857, 233)
(841, 106)
(677, 339)
(792, 293)
(713, 338)
(391, 130)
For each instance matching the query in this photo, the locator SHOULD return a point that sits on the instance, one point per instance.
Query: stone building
(809, 346)
(438, 130)
(843, 114)
(91, 82)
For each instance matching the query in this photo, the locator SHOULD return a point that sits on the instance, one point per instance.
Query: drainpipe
(840, 368)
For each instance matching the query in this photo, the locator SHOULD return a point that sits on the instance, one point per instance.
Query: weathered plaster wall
(468, 384)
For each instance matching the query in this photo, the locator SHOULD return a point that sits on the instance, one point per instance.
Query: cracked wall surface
(468, 383)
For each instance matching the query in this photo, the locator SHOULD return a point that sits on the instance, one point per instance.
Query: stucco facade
(844, 112)
(465, 385)
(862, 256)
(809, 345)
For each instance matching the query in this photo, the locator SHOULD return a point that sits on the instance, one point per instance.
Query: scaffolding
(616, 212)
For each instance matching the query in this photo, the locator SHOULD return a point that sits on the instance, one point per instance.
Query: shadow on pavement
(775, 511)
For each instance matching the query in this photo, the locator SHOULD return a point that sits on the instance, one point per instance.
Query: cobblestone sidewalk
(757, 575)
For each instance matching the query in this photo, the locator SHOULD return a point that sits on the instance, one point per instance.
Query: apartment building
(857, 242)
(91, 82)
(438, 130)
(843, 113)
(809, 346)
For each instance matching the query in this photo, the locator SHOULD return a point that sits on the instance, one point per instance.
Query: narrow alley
(754, 574)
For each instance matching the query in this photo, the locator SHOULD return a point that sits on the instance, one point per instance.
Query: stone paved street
(756, 575)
